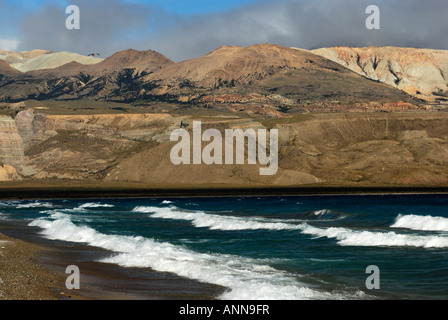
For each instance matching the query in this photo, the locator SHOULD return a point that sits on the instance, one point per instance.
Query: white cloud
(9, 45)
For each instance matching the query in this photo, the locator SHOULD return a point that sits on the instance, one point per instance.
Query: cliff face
(395, 149)
(419, 72)
(83, 146)
(11, 144)
(370, 149)
(8, 173)
(347, 149)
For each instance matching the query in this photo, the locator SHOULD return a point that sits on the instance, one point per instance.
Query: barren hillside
(368, 149)
(16, 59)
(270, 80)
(259, 80)
(420, 72)
(7, 70)
(54, 60)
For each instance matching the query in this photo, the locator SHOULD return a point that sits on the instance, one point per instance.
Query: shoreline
(36, 265)
(33, 268)
(89, 190)
(21, 276)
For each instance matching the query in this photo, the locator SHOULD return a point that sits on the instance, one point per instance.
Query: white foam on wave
(345, 236)
(216, 222)
(167, 202)
(95, 205)
(320, 213)
(424, 223)
(36, 204)
(83, 208)
(348, 237)
(246, 279)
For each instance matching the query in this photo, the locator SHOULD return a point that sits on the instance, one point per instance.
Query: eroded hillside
(266, 80)
(397, 149)
(346, 116)
(419, 72)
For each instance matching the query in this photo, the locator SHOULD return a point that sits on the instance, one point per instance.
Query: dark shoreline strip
(19, 193)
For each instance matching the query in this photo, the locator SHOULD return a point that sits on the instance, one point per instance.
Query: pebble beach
(21, 277)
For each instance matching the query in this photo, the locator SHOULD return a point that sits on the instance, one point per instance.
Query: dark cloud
(110, 26)
(312, 24)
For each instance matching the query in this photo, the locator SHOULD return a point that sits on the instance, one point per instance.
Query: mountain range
(345, 116)
(263, 79)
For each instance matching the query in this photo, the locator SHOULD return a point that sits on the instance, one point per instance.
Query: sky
(185, 29)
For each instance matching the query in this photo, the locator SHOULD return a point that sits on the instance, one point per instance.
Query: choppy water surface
(265, 247)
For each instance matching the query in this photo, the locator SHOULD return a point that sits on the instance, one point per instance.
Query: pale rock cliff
(11, 144)
(419, 72)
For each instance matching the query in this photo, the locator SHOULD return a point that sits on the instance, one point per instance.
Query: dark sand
(100, 190)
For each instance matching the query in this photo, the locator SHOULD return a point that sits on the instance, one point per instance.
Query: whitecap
(95, 205)
(216, 222)
(424, 223)
(348, 237)
(36, 204)
(245, 278)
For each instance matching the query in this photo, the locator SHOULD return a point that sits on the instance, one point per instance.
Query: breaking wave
(245, 278)
(348, 237)
(87, 206)
(36, 204)
(424, 223)
(95, 205)
(344, 236)
(216, 222)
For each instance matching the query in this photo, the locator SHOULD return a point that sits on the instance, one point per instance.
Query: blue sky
(184, 29)
(183, 7)
(192, 7)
